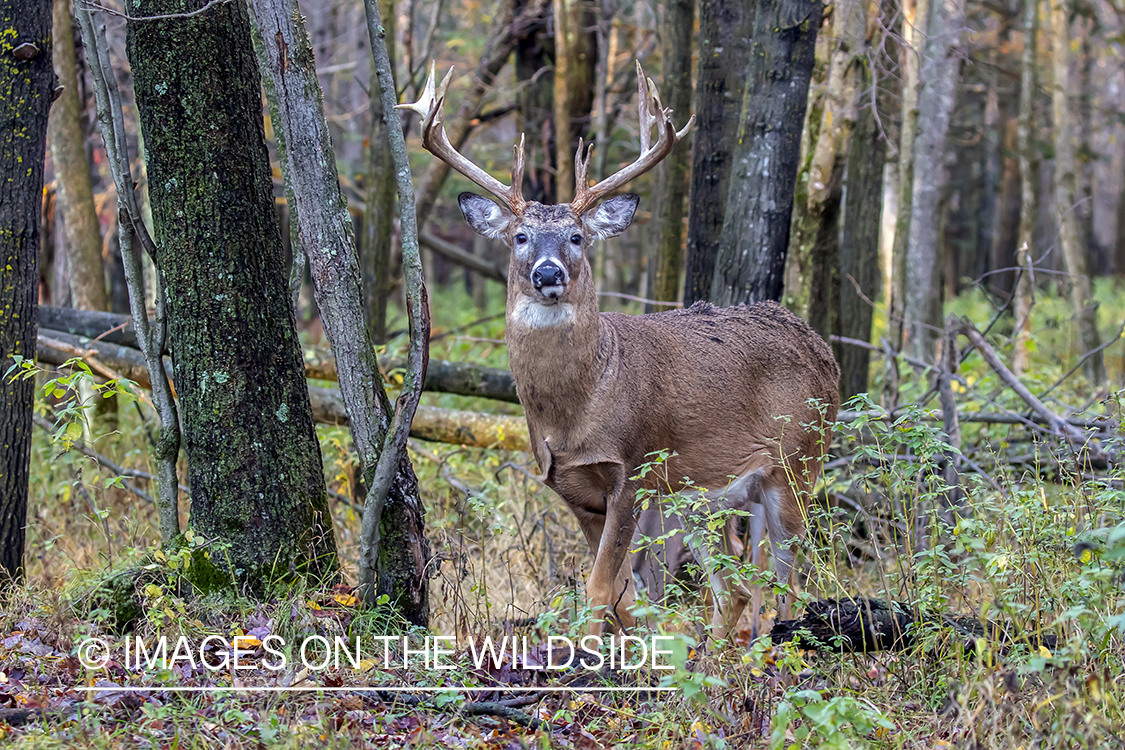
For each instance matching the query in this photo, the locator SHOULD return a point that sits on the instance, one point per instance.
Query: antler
(430, 107)
(651, 112)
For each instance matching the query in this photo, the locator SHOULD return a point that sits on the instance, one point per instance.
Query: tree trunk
(1074, 253)
(256, 478)
(813, 270)
(922, 303)
(671, 175)
(1029, 178)
(324, 230)
(914, 36)
(859, 245)
(75, 192)
(575, 63)
(379, 198)
(724, 31)
(26, 85)
(535, 108)
(755, 237)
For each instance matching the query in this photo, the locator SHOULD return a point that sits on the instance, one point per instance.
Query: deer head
(548, 263)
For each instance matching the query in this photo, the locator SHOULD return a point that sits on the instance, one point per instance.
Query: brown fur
(726, 389)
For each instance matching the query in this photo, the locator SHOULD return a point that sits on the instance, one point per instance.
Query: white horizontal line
(369, 689)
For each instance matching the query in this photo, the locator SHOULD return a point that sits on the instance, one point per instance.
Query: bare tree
(917, 17)
(379, 201)
(75, 191)
(941, 63)
(671, 176)
(755, 237)
(1029, 178)
(1074, 253)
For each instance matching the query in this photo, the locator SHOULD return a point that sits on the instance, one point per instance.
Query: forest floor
(1034, 541)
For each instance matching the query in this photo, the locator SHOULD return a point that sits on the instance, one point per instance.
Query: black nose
(548, 274)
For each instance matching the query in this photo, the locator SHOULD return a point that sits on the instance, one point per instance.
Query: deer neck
(556, 354)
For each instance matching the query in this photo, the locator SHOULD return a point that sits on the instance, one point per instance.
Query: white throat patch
(531, 314)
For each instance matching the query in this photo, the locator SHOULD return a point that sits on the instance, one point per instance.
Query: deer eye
(576, 239)
(521, 238)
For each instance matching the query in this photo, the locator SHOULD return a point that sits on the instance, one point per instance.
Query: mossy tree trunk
(26, 85)
(68, 153)
(755, 238)
(253, 457)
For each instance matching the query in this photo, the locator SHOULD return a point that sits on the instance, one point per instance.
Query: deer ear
(484, 216)
(614, 216)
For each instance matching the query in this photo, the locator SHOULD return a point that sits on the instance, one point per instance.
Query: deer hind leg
(784, 521)
(729, 589)
(757, 528)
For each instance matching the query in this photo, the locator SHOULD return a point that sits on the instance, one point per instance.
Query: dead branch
(1058, 424)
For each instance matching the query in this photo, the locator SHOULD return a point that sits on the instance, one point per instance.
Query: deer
(731, 393)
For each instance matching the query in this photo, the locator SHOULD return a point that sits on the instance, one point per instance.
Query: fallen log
(472, 429)
(108, 327)
(56, 347)
(80, 327)
(439, 425)
(863, 625)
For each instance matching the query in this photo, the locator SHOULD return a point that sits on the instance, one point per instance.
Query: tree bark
(671, 175)
(254, 462)
(724, 34)
(859, 244)
(26, 86)
(922, 303)
(535, 106)
(814, 249)
(379, 199)
(75, 192)
(394, 554)
(324, 230)
(914, 36)
(1074, 253)
(1029, 178)
(755, 237)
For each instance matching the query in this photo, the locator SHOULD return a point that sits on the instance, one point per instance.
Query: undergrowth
(1031, 539)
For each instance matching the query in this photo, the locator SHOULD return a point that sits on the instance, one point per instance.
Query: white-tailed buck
(727, 390)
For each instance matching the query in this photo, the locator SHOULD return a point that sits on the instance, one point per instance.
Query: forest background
(937, 186)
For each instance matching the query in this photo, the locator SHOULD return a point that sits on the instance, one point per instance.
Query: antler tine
(582, 166)
(651, 113)
(517, 171)
(431, 106)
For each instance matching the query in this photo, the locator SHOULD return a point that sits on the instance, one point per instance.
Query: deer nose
(548, 274)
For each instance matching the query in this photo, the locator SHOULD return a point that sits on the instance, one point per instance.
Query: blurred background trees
(780, 196)
(872, 164)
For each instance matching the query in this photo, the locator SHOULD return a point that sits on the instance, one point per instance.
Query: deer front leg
(610, 593)
(602, 501)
